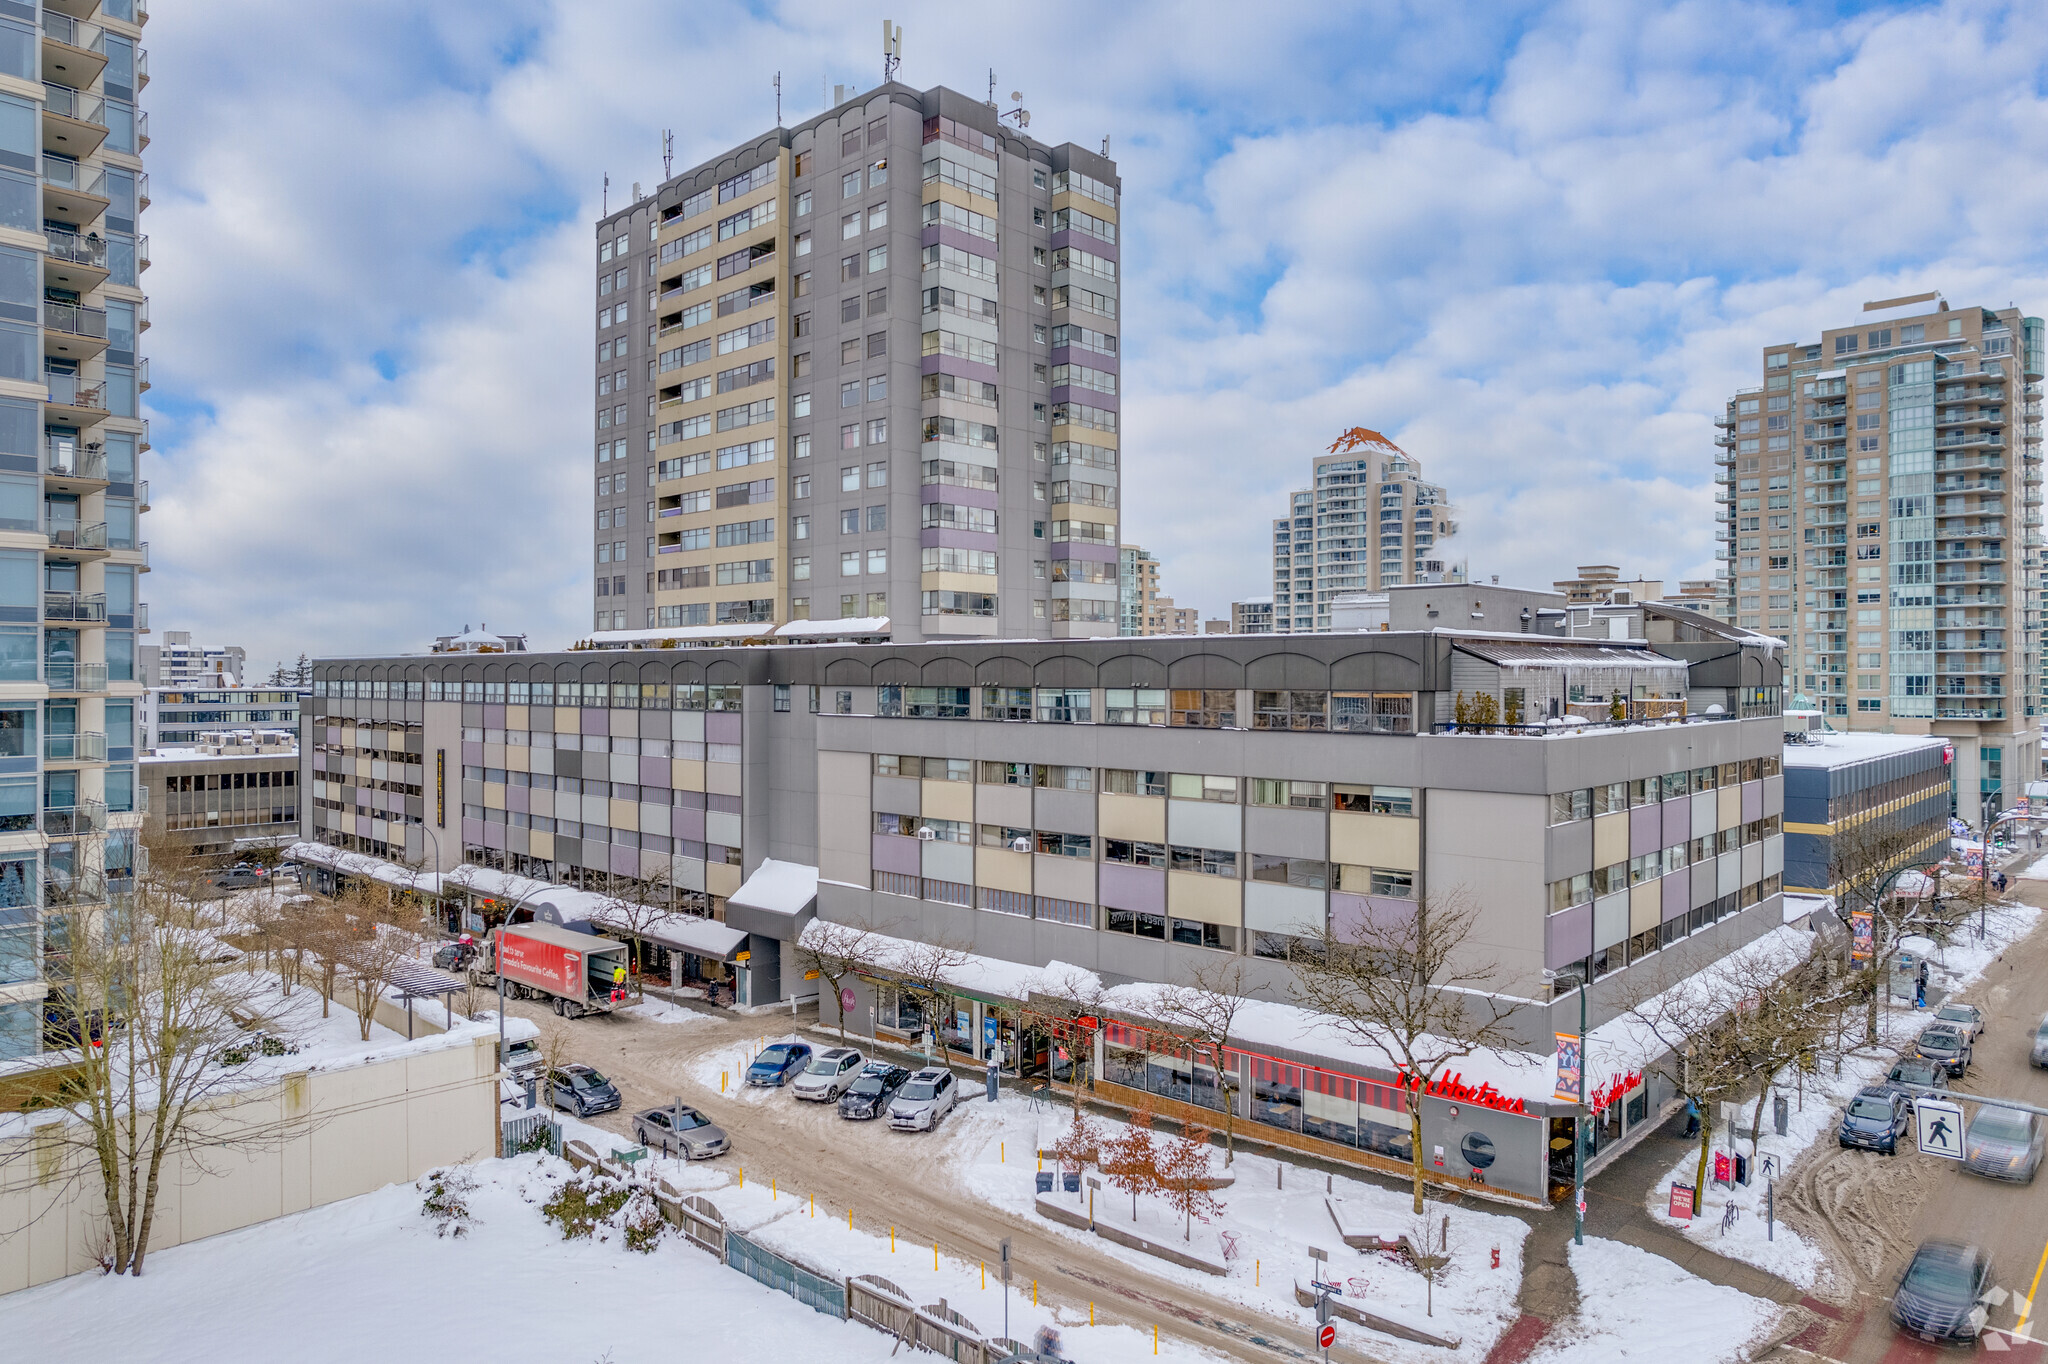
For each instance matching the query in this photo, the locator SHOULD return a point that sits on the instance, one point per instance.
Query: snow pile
(654, 1010)
(1635, 1305)
(1273, 1212)
(1750, 1237)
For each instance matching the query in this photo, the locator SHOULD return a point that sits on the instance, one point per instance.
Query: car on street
(1914, 1073)
(1937, 1296)
(872, 1090)
(2003, 1143)
(777, 1063)
(1876, 1119)
(582, 1090)
(1944, 1044)
(2039, 1055)
(925, 1098)
(830, 1074)
(455, 956)
(679, 1127)
(1966, 1018)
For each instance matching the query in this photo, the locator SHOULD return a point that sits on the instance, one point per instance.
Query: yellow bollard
(1091, 1314)
(1034, 1292)
(1255, 1273)
(984, 1276)
(743, 1176)
(935, 1257)
(892, 1240)
(771, 1188)
(1155, 1340)
(721, 1080)
(1002, 1153)
(849, 1219)
(812, 1201)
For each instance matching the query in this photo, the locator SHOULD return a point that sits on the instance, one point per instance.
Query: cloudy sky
(1536, 244)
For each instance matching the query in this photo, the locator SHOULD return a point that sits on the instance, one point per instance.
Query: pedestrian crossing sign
(1938, 1125)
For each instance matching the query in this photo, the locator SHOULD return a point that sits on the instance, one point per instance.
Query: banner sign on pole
(1862, 940)
(1571, 1069)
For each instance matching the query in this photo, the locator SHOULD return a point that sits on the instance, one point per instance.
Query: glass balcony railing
(66, 891)
(75, 319)
(74, 536)
(74, 32)
(66, 245)
(71, 820)
(142, 615)
(65, 389)
(74, 606)
(68, 461)
(66, 102)
(88, 747)
(79, 677)
(61, 172)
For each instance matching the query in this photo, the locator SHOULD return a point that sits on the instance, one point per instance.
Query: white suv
(924, 1099)
(830, 1074)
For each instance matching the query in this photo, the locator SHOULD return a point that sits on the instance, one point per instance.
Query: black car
(869, 1095)
(582, 1091)
(1945, 1046)
(1877, 1118)
(2037, 1055)
(1937, 1296)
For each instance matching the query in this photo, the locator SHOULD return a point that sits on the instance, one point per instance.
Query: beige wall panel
(1610, 839)
(1210, 899)
(721, 878)
(1063, 878)
(1134, 817)
(949, 799)
(1002, 870)
(1377, 840)
(722, 778)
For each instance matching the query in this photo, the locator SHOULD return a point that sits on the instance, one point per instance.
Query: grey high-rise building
(1880, 512)
(865, 367)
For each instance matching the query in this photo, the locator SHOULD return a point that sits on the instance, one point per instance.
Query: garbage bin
(1781, 1114)
(1045, 1178)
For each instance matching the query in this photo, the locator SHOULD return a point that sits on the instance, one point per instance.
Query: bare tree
(1184, 1177)
(1068, 1004)
(1205, 1012)
(924, 971)
(148, 1005)
(1430, 1233)
(1866, 860)
(368, 948)
(1129, 1159)
(838, 952)
(631, 908)
(1414, 989)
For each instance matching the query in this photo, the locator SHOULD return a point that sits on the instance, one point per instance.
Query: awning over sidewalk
(776, 901)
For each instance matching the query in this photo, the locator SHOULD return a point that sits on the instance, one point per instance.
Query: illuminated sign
(1453, 1087)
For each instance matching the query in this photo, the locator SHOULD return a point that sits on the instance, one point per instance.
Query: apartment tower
(1880, 500)
(71, 440)
(1367, 521)
(863, 368)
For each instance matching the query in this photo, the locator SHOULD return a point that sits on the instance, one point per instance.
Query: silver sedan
(678, 1129)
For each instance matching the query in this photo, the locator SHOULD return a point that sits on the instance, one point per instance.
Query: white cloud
(1540, 267)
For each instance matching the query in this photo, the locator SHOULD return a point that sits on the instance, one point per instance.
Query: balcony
(72, 464)
(74, 52)
(88, 747)
(72, 331)
(142, 621)
(1968, 438)
(74, 539)
(69, 821)
(75, 607)
(75, 677)
(73, 193)
(74, 891)
(74, 121)
(75, 403)
(142, 495)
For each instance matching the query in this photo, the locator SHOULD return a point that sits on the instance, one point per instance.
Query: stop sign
(1327, 1336)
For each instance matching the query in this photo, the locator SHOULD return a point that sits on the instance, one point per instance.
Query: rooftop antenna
(606, 200)
(668, 151)
(992, 89)
(778, 99)
(1105, 146)
(892, 51)
(1020, 114)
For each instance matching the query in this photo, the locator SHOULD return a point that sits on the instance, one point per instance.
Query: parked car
(777, 1063)
(456, 956)
(1937, 1296)
(1915, 1073)
(2039, 1055)
(830, 1074)
(680, 1127)
(1944, 1044)
(1876, 1119)
(241, 876)
(925, 1098)
(1967, 1019)
(582, 1090)
(2003, 1143)
(872, 1090)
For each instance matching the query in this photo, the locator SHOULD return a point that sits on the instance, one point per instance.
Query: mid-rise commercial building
(1142, 609)
(177, 717)
(1252, 616)
(72, 313)
(178, 662)
(1367, 521)
(864, 369)
(1136, 807)
(1881, 501)
(232, 791)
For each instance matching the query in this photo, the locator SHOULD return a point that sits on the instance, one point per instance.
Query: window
(1209, 861)
(878, 518)
(1004, 774)
(1134, 705)
(1300, 795)
(1061, 778)
(1203, 709)
(1133, 853)
(1119, 781)
(1302, 710)
(1005, 703)
(1058, 705)
(1375, 800)
(1305, 872)
(1193, 786)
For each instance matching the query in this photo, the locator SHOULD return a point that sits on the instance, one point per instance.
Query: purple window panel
(597, 722)
(1568, 936)
(654, 771)
(494, 717)
(722, 727)
(1752, 801)
(1349, 913)
(1677, 896)
(1645, 830)
(518, 799)
(895, 853)
(473, 754)
(1140, 889)
(1677, 821)
(687, 823)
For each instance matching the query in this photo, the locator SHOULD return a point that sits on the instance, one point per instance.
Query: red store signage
(1453, 1086)
(1615, 1088)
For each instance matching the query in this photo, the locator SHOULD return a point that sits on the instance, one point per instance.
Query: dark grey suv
(582, 1090)
(2039, 1055)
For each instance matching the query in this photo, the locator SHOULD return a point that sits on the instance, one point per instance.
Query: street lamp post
(1579, 1127)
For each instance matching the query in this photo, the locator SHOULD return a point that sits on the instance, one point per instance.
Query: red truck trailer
(580, 972)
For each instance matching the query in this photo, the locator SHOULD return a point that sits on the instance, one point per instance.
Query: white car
(925, 1097)
(830, 1074)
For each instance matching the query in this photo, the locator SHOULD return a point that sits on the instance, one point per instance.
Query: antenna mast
(668, 152)
(607, 199)
(1019, 115)
(992, 88)
(892, 50)
(778, 99)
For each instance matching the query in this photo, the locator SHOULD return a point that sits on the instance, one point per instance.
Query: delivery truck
(579, 972)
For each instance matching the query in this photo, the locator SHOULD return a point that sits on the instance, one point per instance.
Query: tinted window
(1870, 1108)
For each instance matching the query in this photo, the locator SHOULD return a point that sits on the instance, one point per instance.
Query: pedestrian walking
(1692, 1118)
(1920, 994)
